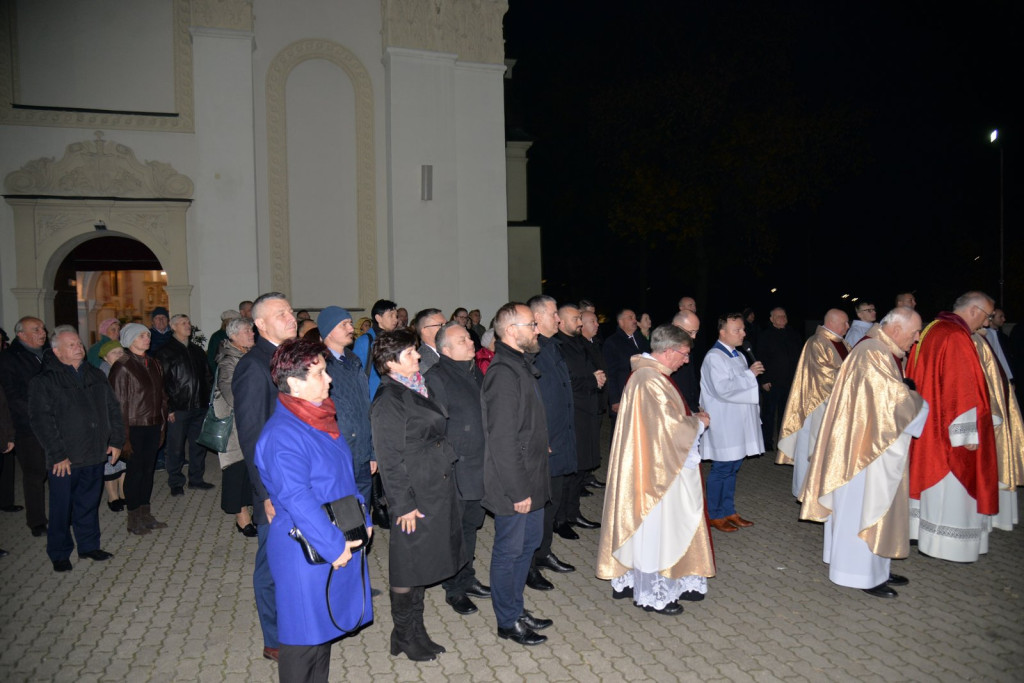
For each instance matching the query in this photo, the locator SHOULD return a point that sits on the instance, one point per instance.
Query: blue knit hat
(329, 319)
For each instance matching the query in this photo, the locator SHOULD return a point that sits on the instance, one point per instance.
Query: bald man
(815, 376)
(686, 376)
(687, 303)
(778, 347)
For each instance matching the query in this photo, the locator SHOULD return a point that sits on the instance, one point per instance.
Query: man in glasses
(427, 322)
(954, 479)
(686, 376)
(815, 376)
(866, 315)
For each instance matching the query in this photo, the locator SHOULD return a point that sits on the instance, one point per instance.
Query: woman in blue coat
(304, 464)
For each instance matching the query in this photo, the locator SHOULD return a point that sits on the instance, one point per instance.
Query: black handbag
(379, 512)
(216, 431)
(345, 513)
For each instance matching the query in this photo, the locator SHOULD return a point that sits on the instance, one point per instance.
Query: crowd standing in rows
(897, 434)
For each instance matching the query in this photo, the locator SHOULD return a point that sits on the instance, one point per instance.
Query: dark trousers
(138, 476)
(549, 517)
(773, 408)
(573, 488)
(304, 663)
(185, 429)
(7, 477)
(721, 488)
(263, 587)
(74, 504)
(472, 519)
(32, 459)
(364, 481)
(516, 536)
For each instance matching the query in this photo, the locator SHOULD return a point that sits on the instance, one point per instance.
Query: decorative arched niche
(98, 188)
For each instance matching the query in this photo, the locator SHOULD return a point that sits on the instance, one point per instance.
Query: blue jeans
(263, 586)
(515, 538)
(721, 488)
(74, 503)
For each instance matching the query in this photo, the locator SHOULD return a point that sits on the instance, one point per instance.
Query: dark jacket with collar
(187, 377)
(74, 414)
(516, 451)
(779, 350)
(556, 392)
(351, 396)
(18, 365)
(255, 399)
(588, 400)
(618, 349)
(455, 386)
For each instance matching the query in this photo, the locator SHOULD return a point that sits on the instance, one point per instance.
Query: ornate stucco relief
(184, 103)
(98, 168)
(471, 29)
(229, 14)
(277, 160)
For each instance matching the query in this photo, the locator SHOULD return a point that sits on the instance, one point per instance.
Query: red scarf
(320, 417)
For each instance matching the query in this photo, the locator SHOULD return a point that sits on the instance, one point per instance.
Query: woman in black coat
(416, 464)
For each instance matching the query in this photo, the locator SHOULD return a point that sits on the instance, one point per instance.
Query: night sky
(721, 149)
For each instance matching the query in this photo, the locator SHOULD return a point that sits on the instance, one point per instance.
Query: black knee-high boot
(404, 637)
(421, 630)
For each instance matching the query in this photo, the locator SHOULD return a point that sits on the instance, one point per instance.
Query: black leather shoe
(881, 591)
(584, 523)
(626, 592)
(177, 490)
(12, 508)
(62, 565)
(692, 596)
(585, 492)
(897, 580)
(537, 582)
(98, 555)
(536, 623)
(478, 590)
(249, 530)
(202, 486)
(566, 532)
(3, 553)
(522, 634)
(461, 604)
(553, 563)
(595, 484)
(39, 530)
(116, 505)
(671, 609)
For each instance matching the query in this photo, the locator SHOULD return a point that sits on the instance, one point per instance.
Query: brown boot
(135, 523)
(148, 520)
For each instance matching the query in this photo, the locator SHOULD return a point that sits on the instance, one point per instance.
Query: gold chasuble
(653, 437)
(812, 385)
(1010, 432)
(869, 411)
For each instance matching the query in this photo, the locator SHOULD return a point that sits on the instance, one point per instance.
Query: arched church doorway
(108, 276)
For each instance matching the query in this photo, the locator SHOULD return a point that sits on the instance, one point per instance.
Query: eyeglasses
(434, 325)
(533, 324)
(692, 333)
(684, 355)
(988, 316)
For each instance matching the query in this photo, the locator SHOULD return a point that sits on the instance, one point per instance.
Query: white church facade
(337, 151)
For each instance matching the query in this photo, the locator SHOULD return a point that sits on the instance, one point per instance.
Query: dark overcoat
(455, 386)
(586, 399)
(416, 463)
(556, 391)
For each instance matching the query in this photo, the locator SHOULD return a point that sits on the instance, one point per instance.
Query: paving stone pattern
(177, 605)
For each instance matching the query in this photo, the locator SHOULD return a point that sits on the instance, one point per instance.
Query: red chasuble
(948, 374)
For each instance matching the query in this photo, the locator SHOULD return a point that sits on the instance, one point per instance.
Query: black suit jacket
(618, 349)
(255, 399)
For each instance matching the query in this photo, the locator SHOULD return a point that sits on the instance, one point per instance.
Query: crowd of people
(897, 434)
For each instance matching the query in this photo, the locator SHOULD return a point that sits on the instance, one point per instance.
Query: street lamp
(992, 138)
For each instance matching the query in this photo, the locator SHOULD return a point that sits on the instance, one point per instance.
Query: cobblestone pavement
(177, 605)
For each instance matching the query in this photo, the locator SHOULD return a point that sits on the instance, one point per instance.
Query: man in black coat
(587, 380)
(22, 361)
(685, 377)
(255, 399)
(778, 349)
(77, 420)
(454, 383)
(187, 383)
(619, 347)
(516, 480)
(556, 393)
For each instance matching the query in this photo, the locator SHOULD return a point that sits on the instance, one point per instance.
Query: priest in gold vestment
(857, 482)
(815, 376)
(655, 546)
(1009, 431)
